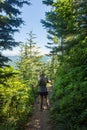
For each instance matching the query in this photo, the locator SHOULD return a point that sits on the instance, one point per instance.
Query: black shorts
(43, 93)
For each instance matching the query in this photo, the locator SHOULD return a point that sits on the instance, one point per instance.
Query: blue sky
(32, 16)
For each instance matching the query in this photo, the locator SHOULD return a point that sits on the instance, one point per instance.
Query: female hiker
(42, 89)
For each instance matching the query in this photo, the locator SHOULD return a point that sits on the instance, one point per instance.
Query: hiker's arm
(50, 82)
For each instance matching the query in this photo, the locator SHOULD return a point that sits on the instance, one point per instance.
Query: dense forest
(66, 25)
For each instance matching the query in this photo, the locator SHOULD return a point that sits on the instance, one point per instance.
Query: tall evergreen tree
(69, 99)
(10, 21)
(30, 59)
(50, 24)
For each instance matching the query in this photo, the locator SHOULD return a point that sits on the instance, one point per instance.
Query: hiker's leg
(47, 101)
(41, 101)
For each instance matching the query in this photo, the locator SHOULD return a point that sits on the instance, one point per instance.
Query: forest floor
(40, 120)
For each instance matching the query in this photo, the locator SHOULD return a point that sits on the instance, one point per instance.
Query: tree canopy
(10, 21)
(67, 21)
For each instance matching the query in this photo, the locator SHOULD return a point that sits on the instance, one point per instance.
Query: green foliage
(70, 90)
(48, 2)
(68, 21)
(10, 21)
(69, 108)
(16, 100)
(30, 62)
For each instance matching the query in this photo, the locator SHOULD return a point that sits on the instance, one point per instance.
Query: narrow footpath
(40, 120)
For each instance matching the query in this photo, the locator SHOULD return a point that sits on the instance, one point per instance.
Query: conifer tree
(70, 79)
(10, 22)
(30, 59)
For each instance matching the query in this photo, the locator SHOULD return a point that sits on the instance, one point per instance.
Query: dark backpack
(43, 81)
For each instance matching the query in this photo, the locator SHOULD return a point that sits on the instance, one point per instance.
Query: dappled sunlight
(40, 119)
(34, 125)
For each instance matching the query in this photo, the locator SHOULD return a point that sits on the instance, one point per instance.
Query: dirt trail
(40, 119)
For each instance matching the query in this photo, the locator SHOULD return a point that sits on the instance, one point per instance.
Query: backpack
(43, 81)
